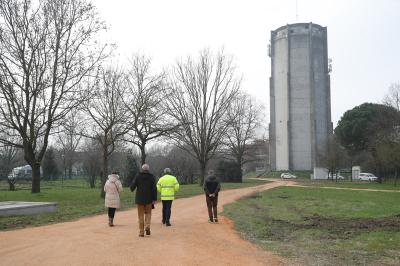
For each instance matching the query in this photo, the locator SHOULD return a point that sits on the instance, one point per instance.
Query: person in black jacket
(211, 187)
(146, 195)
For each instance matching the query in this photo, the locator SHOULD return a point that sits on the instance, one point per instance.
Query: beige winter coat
(112, 188)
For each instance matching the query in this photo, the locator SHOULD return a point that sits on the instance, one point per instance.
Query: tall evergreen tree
(49, 167)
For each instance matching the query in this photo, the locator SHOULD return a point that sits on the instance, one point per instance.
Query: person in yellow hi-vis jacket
(167, 185)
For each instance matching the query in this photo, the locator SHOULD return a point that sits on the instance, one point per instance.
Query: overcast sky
(363, 38)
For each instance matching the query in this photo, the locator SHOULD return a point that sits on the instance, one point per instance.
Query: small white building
(320, 173)
(355, 172)
(21, 172)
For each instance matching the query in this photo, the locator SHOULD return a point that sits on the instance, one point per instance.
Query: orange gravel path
(191, 240)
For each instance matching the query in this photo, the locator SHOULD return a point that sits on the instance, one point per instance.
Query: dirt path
(294, 183)
(191, 240)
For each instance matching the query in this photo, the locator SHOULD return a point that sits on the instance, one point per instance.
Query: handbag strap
(116, 187)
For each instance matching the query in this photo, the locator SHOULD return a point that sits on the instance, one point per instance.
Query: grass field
(388, 185)
(303, 178)
(77, 200)
(314, 226)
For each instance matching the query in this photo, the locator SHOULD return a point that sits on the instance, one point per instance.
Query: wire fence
(75, 182)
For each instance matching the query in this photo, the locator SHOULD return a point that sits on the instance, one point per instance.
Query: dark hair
(114, 172)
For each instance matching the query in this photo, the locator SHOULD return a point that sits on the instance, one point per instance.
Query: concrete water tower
(300, 101)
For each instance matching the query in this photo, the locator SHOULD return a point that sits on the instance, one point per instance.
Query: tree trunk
(380, 177)
(143, 155)
(202, 173)
(92, 181)
(351, 168)
(35, 177)
(240, 164)
(11, 184)
(104, 174)
(377, 165)
(395, 177)
(70, 171)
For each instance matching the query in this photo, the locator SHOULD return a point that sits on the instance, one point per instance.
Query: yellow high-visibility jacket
(167, 185)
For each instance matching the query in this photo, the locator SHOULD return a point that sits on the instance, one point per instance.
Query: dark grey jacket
(211, 185)
(146, 188)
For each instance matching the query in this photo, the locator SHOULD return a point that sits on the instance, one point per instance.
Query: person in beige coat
(113, 188)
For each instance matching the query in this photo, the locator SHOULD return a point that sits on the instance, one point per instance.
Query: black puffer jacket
(211, 185)
(146, 188)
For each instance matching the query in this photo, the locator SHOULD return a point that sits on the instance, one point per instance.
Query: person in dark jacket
(146, 196)
(211, 187)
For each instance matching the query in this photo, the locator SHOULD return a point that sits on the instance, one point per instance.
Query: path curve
(191, 240)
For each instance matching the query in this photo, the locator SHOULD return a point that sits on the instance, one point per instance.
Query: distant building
(300, 98)
(257, 156)
(22, 172)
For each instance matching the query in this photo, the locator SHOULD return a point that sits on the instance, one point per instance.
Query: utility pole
(63, 176)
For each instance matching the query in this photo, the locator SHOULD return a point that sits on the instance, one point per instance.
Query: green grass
(76, 200)
(303, 178)
(67, 183)
(314, 226)
(388, 185)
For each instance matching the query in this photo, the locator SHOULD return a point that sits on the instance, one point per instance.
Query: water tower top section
(314, 30)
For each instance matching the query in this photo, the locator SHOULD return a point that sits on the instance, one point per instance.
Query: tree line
(369, 136)
(59, 82)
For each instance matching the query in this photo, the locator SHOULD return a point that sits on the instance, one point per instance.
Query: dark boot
(147, 231)
(110, 221)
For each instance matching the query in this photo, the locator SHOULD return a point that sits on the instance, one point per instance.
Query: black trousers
(166, 210)
(111, 212)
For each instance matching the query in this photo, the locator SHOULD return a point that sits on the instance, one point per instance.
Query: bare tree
(333, 157)
(182, 164)
(257, 155)
(68, 139)
(393, 96)
(91, 161)
(107, 114)
(46, 48)
(244, 117)
(143, 102)
(8, 155)
(202, 93)
(7, 162)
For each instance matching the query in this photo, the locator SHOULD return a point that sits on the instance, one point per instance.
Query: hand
(153, 202)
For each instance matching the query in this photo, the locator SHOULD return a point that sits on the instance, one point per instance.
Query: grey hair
(167, 171)
(145, 167)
